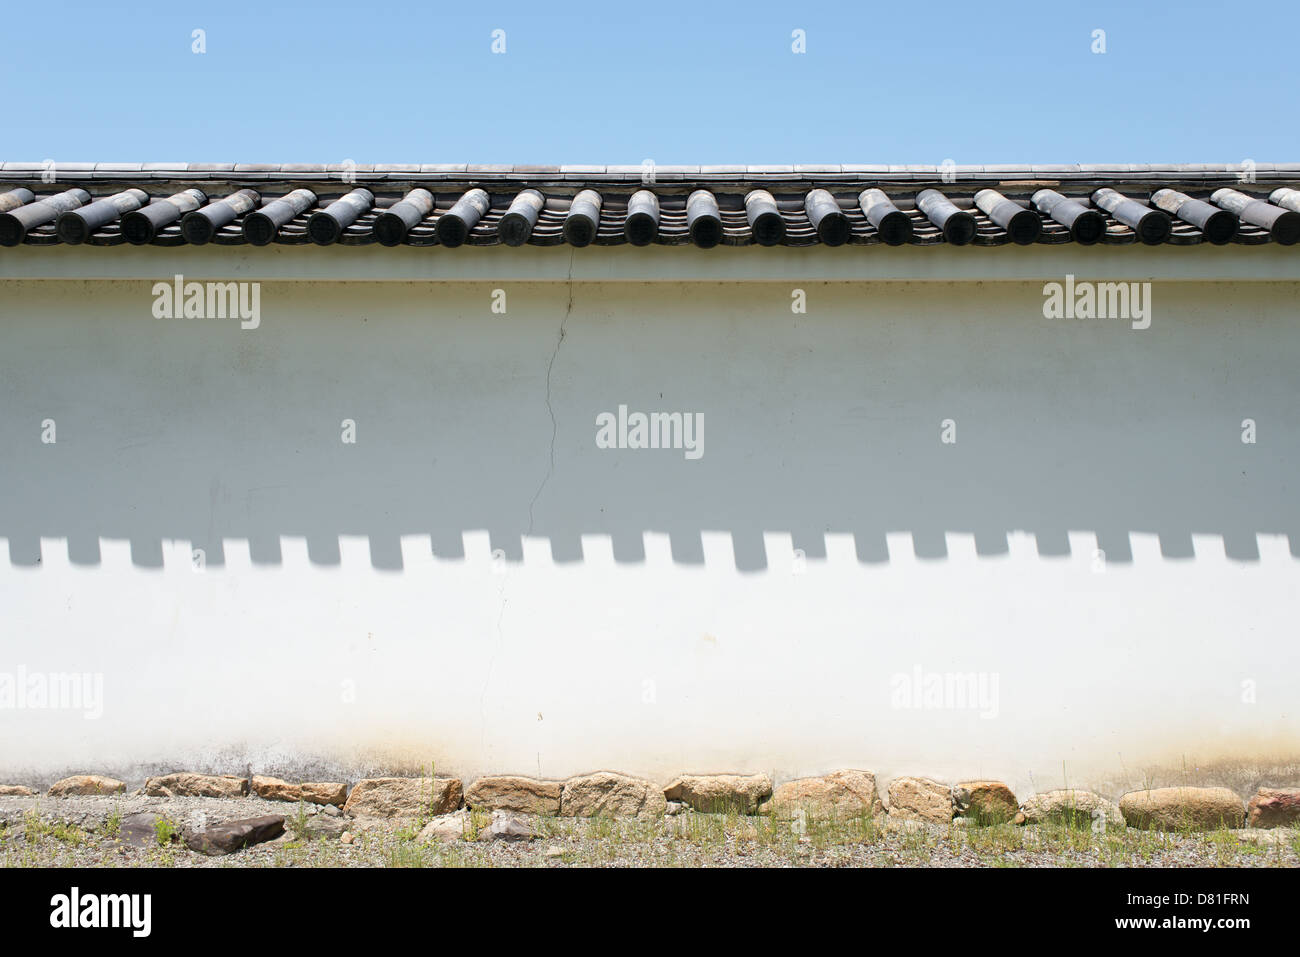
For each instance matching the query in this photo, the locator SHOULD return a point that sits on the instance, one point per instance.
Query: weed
(478, 820)
(405, 855)
(165, 831)
(298, 823)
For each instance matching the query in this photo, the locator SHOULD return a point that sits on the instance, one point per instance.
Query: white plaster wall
(643, 612)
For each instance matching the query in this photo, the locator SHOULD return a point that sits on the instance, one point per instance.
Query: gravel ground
(82, 832)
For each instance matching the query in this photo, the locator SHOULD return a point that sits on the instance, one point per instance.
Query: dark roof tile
(805, 204)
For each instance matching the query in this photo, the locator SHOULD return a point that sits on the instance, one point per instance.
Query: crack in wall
(550, 470)
(559, 340)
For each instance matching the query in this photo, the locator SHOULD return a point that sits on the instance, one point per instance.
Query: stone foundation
(846, 793)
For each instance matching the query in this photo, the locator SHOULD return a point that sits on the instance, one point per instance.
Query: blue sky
(676, 82)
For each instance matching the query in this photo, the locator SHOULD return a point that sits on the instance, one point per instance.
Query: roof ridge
(648, 171)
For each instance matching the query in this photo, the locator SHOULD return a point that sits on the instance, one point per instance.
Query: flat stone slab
(840, 794)
(445, 828)
(190, 784)
(140, 830)
(1274, 807)
(275, 789)
(324, 825)
(505, 792)
(403, 797)
(326, 829)
(313, 792)
(80, 785)
(508, 827)
(1071, 807)
(1183, 808)
(716, 793)
(985, 802)
(920, 799)
(325, 792)
(606, 794)
(232, 836)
